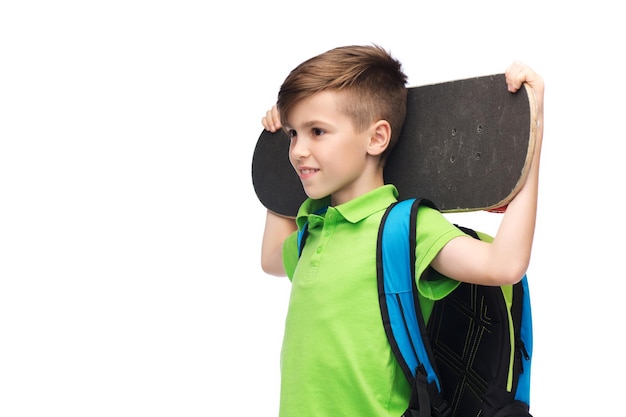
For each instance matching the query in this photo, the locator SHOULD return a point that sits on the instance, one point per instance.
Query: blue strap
(526, 340)
(397, 290)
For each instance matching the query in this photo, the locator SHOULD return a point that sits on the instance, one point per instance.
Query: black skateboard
(466, 145)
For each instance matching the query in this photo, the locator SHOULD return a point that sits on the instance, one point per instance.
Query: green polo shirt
(336, 360)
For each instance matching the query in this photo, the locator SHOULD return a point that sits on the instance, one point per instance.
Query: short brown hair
(373, 79)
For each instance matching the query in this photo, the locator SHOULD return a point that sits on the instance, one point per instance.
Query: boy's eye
(317, 131)
(291, 133)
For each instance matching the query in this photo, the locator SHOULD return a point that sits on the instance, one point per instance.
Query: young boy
(343, 111)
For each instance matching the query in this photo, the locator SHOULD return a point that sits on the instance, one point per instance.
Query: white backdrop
(130, 282)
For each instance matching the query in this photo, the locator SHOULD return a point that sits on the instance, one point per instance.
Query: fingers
(515, 76)
(271, 120)
(518, 73)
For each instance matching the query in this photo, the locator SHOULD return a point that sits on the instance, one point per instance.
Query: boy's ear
(379, 140)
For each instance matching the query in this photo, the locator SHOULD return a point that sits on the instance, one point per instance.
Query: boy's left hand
(271, 120)
(519, 73)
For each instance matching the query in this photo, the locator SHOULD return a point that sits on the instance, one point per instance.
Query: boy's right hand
(271, 120)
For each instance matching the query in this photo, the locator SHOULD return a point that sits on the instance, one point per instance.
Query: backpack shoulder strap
(397, 290)
(399, 304)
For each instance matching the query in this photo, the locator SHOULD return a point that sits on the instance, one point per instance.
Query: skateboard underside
(466, 145)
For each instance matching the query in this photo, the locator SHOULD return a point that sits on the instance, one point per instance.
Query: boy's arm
(277, 229)
(505, 260)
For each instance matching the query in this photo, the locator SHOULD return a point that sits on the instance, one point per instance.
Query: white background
(130, 282)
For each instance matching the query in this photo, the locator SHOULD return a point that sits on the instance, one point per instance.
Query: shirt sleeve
(433, 232)
(290, 254)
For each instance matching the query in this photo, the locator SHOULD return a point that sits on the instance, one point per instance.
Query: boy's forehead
(323, 102)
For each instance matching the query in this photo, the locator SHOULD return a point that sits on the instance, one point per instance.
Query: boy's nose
(298, 149)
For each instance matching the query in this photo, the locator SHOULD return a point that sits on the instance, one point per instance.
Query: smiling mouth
(306, 173)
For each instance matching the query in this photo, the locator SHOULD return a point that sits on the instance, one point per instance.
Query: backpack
(466, 355)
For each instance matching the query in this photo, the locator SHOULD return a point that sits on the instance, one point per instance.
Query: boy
(343, 111)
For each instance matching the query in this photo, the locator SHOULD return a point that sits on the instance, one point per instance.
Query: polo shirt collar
(354, 210)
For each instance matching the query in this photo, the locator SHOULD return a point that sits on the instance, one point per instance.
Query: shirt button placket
(329, 225)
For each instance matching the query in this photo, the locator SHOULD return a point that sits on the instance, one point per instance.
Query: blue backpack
(466, 355)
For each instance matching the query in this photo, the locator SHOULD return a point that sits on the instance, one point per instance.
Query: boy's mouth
(307, 172)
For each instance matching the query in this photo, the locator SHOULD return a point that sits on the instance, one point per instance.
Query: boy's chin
(315, 195)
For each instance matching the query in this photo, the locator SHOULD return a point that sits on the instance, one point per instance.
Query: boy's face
(328, 154)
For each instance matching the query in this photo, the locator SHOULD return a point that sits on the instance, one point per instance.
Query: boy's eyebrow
(306, 125)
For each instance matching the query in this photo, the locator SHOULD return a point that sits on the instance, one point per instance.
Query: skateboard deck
(466, 145)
